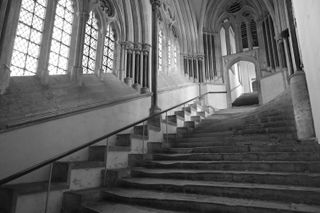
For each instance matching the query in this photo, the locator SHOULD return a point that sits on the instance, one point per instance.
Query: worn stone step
(180, 141)
(80, 174)
(190, 124)
(196, 118)
(111, 207)
(297, 194)
(241, 148)
(272, 166)
(201, 203)
(245, 144)
(249, 156)
(260, 177)
(230, 134)
(141, 130)
(74, 200)
(183, 114)
(250, 130)
(174, 118)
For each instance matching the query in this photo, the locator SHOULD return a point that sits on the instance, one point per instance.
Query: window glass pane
(108, 51)
(26, 48)
(90, 45)
(60, 45)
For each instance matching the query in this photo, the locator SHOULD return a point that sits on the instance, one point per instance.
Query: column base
(77, 75)
(301, 106)
(128, 81)
(144, 90)
(136, 86)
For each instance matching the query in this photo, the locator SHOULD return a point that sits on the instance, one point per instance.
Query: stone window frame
(74, 72)
(168, 37)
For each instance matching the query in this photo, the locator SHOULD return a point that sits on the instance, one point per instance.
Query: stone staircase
(241, 160)
(75, 182)
(232, 162)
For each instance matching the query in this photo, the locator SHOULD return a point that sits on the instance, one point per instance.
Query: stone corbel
(4, 78)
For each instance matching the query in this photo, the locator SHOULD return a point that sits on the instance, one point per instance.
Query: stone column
(249, 34)
(285, 36)
(272, 40)
(145, 81)
(155, 4)
(268, 41)
(123, 61)
(196, 70)
(301, 106)
(299, 88)
(262, 44)
(228, 39)
(218, 55)
(128, 80)
(238, 37)
(77, 69)
(136, 67)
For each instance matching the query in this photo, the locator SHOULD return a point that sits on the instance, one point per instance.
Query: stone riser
(245, 145)
(244, 177)
(284, 156)
(191, 206)
(227, 135)
(277, 166)
(239, 149)
(230, 142)
(258, 193)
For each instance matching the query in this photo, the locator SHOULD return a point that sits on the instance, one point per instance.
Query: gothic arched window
(223, 41)
(61, 38)
(26, 49)
(108, 51)
(244, 36)
(232, 38)
(90, 45)
(254, 33)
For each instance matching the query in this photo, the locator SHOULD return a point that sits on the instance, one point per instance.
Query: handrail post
(48, 189)
(106, 162)
(143, 139)
(167, 128)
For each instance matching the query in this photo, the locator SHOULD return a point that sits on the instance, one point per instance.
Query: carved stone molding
(107, 7)
(251, 55)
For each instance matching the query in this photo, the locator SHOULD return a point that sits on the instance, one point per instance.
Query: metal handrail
(74, 150)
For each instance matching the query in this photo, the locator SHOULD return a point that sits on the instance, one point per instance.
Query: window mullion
(45, 45)
(99, 51)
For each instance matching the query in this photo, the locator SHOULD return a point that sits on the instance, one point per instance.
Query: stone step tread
(204, 199)
(179, 182)
(201, 171)
(233, 162)
(110, 207)
(228, 153)
(239, 145)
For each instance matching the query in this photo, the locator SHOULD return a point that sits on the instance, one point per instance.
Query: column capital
(155, 4)
(285, 34)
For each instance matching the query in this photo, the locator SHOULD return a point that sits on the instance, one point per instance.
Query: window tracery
(26, 49)
(108, 51)
(61, 38)
(90, 45)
